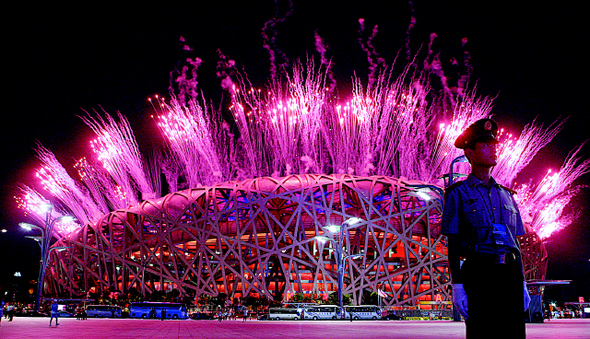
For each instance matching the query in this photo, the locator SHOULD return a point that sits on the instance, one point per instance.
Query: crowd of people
(232, 315)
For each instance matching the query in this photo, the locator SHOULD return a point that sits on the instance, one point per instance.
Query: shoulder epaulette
(510, 190)
(453, 186)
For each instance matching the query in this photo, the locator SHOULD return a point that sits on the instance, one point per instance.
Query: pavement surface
(140, 328)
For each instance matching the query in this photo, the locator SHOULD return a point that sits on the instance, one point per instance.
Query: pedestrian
(54, 306)
(1, 310)
(245, 315)
(163, 314)
(220, 316)
(482, 221)
(10, 309)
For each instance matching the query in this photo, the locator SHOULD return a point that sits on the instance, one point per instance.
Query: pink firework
(116, 148)
(73, 196)
(469, 110)
(39, 210)
(543, 203)
(516, 153)
(32, 202)
(192, 139)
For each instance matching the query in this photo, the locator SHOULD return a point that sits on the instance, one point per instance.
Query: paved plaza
(137, 328)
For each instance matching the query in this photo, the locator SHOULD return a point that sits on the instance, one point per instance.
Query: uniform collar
(475, 182)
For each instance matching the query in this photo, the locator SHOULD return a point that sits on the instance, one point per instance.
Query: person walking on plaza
(10, 309)
(245, 315)
(482, 221)
(54, 306)
(1, 310)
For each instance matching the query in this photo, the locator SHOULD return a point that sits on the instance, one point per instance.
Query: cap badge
(488, 126)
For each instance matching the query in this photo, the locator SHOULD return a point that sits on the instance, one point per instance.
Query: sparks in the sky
(393, 124)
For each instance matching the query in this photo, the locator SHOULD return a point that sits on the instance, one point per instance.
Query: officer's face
(485, 154)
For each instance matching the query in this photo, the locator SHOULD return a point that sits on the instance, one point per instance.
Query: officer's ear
(467, 156)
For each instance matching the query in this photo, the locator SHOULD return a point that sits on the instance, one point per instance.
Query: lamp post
(460, 158)
(44, 242)
(340, 251)
(422, 191)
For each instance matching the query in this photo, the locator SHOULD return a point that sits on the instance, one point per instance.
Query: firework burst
(116, 148)
(68, 192)
(543, 204)
(302, 121)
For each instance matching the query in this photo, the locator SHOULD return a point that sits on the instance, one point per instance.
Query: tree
(204, 299)
(370, 298)
(298, 297)
(134, 295)
(155, 296)
(333, 299)
(219, 300)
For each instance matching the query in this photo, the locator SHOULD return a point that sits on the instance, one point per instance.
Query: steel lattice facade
(256, 238)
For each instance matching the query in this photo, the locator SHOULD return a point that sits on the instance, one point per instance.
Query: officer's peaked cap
(483, 130)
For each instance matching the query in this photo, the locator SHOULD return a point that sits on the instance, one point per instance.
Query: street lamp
(44, 241)
(423, 191)
(341, 253)
(461, 158)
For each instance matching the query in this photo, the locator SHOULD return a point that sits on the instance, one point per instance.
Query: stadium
(256, 198)
(258, 238)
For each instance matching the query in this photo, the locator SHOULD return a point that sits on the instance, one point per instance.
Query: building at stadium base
(258, 238)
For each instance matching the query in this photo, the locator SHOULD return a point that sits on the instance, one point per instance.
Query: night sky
(62, 61)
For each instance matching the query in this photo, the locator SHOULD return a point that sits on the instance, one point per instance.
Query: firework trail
(102, 188)
(516, 154)
(408, 31)
(32, 203)
(308, 96)
(321, 49)
(117, 149)
(543, 203)
(375, 61)
(404, 119)
(245, 115)
(346, 137)
(190, 135)
(269, 35)
(56, 180)
(469, 110)
(36, 208)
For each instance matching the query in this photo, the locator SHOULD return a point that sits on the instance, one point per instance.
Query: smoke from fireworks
(400, 125)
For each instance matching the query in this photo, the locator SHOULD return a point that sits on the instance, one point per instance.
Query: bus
(321, 312)
(362, 312)
(103, 311)
(284, 313)
(154, 310)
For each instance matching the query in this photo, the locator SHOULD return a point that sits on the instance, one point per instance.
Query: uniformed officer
(482, 221)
